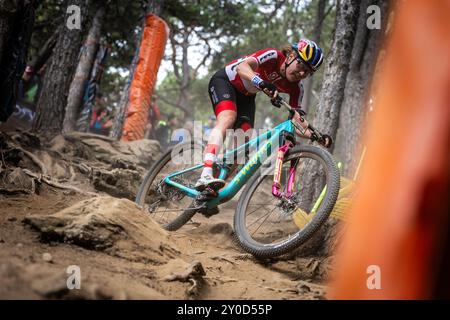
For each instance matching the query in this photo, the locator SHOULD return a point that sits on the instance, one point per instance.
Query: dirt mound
(139, 153)
(115, 226)
(80, 162)
(118, 228)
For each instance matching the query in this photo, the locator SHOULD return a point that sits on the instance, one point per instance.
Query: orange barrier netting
(399, 217)
(151, 52)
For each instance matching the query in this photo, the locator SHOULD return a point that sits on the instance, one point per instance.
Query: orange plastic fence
(399, 218)
(151, 52)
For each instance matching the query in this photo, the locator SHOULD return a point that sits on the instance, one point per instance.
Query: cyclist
(233, 89)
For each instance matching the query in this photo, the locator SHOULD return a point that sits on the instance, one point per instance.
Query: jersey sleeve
(266, 56)
(296, 96)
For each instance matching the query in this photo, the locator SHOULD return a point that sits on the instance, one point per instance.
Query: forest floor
(79, 213)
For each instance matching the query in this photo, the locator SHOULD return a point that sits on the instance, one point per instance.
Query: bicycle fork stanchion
(291, 180)
(276, 186)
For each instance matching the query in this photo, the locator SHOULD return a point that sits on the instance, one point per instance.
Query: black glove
(326, 141)
(300, 112)
(276, 101)
(268, 87)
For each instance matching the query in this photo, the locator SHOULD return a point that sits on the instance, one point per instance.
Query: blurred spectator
(30, 85)
(101, 120)
(164, 130)
(183, 134)
(268, 124)
(209, 126)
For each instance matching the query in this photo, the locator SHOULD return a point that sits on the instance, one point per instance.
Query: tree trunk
(119, 117)
(58, 77)
(87, 58)
(16, 26)
(8, 10)
(317, 32)
(45, 52)
(153, 6)
(333, 85)
(185, 79)
(85, 115)
(337, 67)
(357, 88)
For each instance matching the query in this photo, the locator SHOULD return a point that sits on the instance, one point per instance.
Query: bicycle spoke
(261, 224)
(267, 216)
(260, 208)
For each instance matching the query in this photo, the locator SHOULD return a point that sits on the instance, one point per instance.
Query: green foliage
(49, 15)
(121, 29)
(211, 17)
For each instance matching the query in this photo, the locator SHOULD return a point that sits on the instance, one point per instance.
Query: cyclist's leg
(223, 98)
(245, 121)
(246, 111)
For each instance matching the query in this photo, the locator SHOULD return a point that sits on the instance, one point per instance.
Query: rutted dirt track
(121, 252)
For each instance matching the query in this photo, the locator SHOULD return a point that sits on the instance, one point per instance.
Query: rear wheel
(166, 204)
(267, 226)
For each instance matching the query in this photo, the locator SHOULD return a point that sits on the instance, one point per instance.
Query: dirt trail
(121, 252)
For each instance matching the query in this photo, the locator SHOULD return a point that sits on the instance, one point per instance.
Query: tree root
(50, 182)
(34, 159)
(193, 274)
(223, 258)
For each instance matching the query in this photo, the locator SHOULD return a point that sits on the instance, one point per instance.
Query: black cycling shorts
(220, 89)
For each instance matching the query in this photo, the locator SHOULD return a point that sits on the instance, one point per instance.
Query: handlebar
(315, 134)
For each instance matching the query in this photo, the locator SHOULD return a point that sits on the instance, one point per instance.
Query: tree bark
(184, 79)
(86, 61)
(119, 117)
(53, 99)
(8, 10)
(317, 32)
(45, 52)
(153, 6)
(16, 25)
(357, 87)
(336, 69)
(85, 114)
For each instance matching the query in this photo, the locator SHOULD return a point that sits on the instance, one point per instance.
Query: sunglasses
(304, 67)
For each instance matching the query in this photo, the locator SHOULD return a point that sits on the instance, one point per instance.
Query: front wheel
(267, 226)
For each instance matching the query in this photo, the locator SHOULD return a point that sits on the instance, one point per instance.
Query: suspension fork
(276, 186)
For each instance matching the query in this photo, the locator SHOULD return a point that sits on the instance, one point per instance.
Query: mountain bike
(275, 212)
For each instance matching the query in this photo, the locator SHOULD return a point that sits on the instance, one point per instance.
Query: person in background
(268, 124)
(209, 126)
(30, 85)
(102, 122)
(183, 134)
(164, 130)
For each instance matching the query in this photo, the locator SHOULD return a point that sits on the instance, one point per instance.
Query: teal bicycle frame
(270, 138)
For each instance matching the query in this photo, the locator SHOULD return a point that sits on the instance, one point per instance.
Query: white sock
(207, 171)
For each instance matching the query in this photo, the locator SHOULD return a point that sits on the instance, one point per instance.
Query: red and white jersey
(269, 62)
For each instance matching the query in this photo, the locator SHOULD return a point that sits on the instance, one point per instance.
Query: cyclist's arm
(246, 69)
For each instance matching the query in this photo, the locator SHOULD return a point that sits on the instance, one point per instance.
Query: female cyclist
(233, 90)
